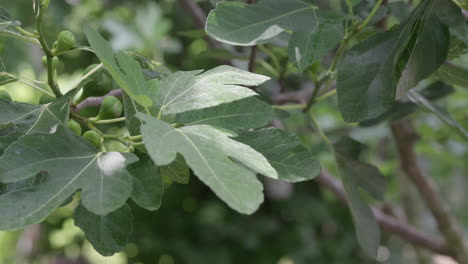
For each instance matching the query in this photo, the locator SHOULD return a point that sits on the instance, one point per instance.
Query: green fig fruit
(74, 126)
(65, 41)
(93, 137)
(55, 62)
(5, 95)
(111, 108)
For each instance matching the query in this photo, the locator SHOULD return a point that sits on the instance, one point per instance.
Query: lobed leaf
(71, 164)
(207, 150)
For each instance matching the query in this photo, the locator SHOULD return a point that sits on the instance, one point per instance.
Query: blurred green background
(297, 223)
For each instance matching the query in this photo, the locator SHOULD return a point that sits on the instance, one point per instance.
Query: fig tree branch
(405, 138)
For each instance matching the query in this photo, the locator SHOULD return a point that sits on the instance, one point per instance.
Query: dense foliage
(113, 128)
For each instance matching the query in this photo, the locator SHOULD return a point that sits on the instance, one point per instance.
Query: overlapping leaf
(147, 183)
(284, 151)
(71, 164)
(124, 69)
(207, 151)
(370, 72)
(242, 114)
(439, 111)
(307, 47)
(193, 90)
(6, 21)
(178, 170)
(107, 233)
(243, 24)
(20, 119)
(357, 176)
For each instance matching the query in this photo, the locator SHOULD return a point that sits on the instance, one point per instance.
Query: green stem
(16, 35)
(320, 130)
(50, 70)
(371, 15)
(109, 121)
(25, 32)
(290, 106)
(134, 138)
(81, 48)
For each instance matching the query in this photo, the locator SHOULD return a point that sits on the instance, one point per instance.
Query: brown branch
(389, 223)
(96, 101)
(449, 227)
(199, 17)
(252, 58)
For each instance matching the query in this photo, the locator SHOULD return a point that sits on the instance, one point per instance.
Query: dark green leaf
(357, 176)
(147, 183)
(243, 24)
(452, 74)
(284, 151)
(238, 115)
(107, 233)
(71, 164)
(307, 47)
(178, 170)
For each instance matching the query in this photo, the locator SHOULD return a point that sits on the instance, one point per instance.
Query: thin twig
(199, 17)
(405, 138)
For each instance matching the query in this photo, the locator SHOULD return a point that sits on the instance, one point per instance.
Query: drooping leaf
(71, 164)
(284, 151)
(6, 21)
(439, 111)
(358, 176)
(193, 90)
(147, 183)
(107, 233)
(366, 84)
(452, 74)
(238, 115)
(178, 170)
(207, 150)
(243, 24)
(370, 72)
(124, 69)
(433, 38)
(307, 47)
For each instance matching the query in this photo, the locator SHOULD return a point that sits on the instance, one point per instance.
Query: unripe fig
(111, 108)
(55, 62)
(65, 41)
(45, 99)
(93, 137)
(5, 95)
(74, 126)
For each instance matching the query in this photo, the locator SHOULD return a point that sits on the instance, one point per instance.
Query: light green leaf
(102, 178)
(439, 111)
(358, 176)
(177, 171)
(107, 233)
(238, 115)
(186, 91)
(307, 47)
(284, 151)
(6, 21)
(147, 183)
(243, 24)
(124, 69)
(207, 151)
